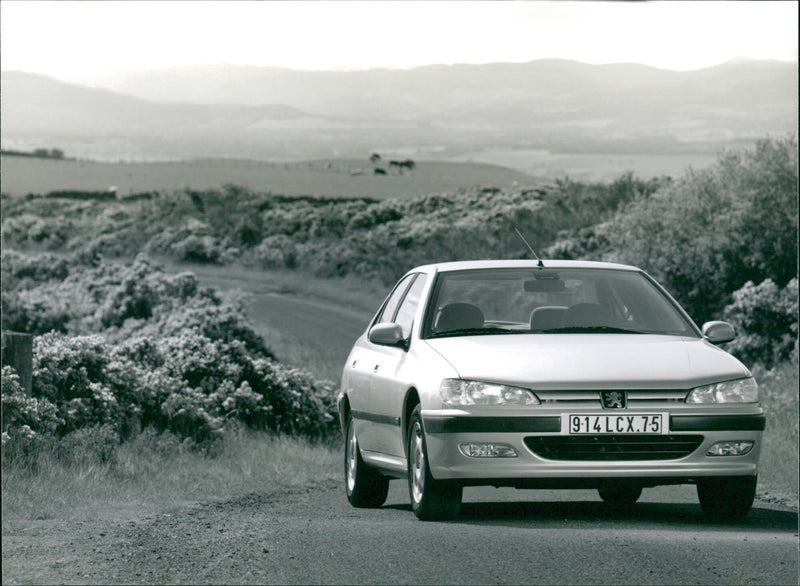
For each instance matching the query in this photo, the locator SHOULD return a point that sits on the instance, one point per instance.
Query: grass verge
(778, 477)
(156, 472)
(350, 291)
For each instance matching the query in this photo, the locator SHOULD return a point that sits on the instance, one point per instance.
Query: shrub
(71, 373)
(193, 248)
(766, 317)
(173, 357)
(25, 416)
(35, 311)
(18, 267)
(277, 252)
(705, 235)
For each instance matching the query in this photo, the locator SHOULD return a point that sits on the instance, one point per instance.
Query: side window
(387, 313)
(405, 315)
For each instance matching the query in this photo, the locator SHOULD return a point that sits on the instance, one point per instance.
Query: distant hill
(33, 104)
(439, 110)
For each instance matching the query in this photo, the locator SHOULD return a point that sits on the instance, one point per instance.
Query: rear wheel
(620, 495)
(431, 499)
(364, 486)
(727, 499)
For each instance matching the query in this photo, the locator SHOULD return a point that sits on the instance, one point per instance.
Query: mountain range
(437, 111)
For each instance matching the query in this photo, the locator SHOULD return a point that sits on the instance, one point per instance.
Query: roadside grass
(154, 473)
(323, 361)
(292, 341)
(778, 478)
(359, 294)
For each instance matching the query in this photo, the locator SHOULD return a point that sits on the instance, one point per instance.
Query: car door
(387, 388)
(364, 360)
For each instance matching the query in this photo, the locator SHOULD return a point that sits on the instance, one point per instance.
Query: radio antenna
(533, 252)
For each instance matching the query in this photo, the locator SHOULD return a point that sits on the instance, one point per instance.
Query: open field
(338, 177)
(590, 167)
(334, 177)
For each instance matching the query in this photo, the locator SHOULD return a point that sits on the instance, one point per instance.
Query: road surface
(503, 536)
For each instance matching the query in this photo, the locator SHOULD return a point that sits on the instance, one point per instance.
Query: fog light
(480, 450)
(737, 448)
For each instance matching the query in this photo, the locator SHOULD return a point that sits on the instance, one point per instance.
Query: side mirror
(718, 332)
(387, 334)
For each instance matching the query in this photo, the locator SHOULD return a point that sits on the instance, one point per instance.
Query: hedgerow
(171, 356)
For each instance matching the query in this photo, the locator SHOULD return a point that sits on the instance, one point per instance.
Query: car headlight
(456, 392)
(743, 390)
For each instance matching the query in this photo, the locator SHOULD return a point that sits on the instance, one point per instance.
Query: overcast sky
(78, 40)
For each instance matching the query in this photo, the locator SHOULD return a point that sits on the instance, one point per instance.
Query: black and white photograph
(399, 292)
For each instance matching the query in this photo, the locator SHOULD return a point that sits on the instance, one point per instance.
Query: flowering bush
(766, 320)
(172, 356)
(23, 416)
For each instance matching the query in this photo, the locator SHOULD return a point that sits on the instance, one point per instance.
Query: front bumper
(444, 432)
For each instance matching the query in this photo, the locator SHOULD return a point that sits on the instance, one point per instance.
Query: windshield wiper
(590, 330)
(473, 332)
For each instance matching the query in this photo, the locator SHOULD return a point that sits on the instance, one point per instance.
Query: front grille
(647, 399)
(613, 447)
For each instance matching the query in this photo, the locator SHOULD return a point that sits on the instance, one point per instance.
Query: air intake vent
(613, 447)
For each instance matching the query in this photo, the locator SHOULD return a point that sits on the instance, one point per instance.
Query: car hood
(589, 361)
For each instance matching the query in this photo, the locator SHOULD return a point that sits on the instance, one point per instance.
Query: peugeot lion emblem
(613, 399)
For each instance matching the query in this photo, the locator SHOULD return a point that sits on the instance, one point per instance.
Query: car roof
(519, 264)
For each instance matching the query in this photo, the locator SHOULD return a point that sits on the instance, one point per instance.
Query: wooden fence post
(18, 352)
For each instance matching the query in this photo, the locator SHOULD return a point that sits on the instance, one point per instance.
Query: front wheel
(364, 486)
(431, 499)
(727, 499)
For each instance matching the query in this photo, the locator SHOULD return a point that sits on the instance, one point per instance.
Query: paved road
(502, 537)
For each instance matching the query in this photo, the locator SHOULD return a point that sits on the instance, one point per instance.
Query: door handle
(377, 366)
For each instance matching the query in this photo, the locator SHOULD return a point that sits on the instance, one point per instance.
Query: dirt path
(313, 536)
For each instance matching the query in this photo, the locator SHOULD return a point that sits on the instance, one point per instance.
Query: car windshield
(550, 301)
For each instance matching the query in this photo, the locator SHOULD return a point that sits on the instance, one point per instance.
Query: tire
(431, 499)
(620, 495)
(727, 499)
(364, 486)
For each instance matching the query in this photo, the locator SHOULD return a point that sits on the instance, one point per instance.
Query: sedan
(548, 374)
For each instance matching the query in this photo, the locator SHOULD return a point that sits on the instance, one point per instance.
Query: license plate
(640, 423)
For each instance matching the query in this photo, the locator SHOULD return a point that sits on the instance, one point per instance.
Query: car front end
(621, 411)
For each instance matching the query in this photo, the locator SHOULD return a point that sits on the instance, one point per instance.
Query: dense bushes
(372, 239)
(766, 319)
(172, 356)
(705, 235)
(711, 235)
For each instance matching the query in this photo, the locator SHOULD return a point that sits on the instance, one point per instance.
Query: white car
(548, 374)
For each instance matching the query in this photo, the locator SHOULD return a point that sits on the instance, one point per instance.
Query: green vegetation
(125, 349)
(88, 476)
(173, 356)
(779, 463)
(708, 233)
(38, 153)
